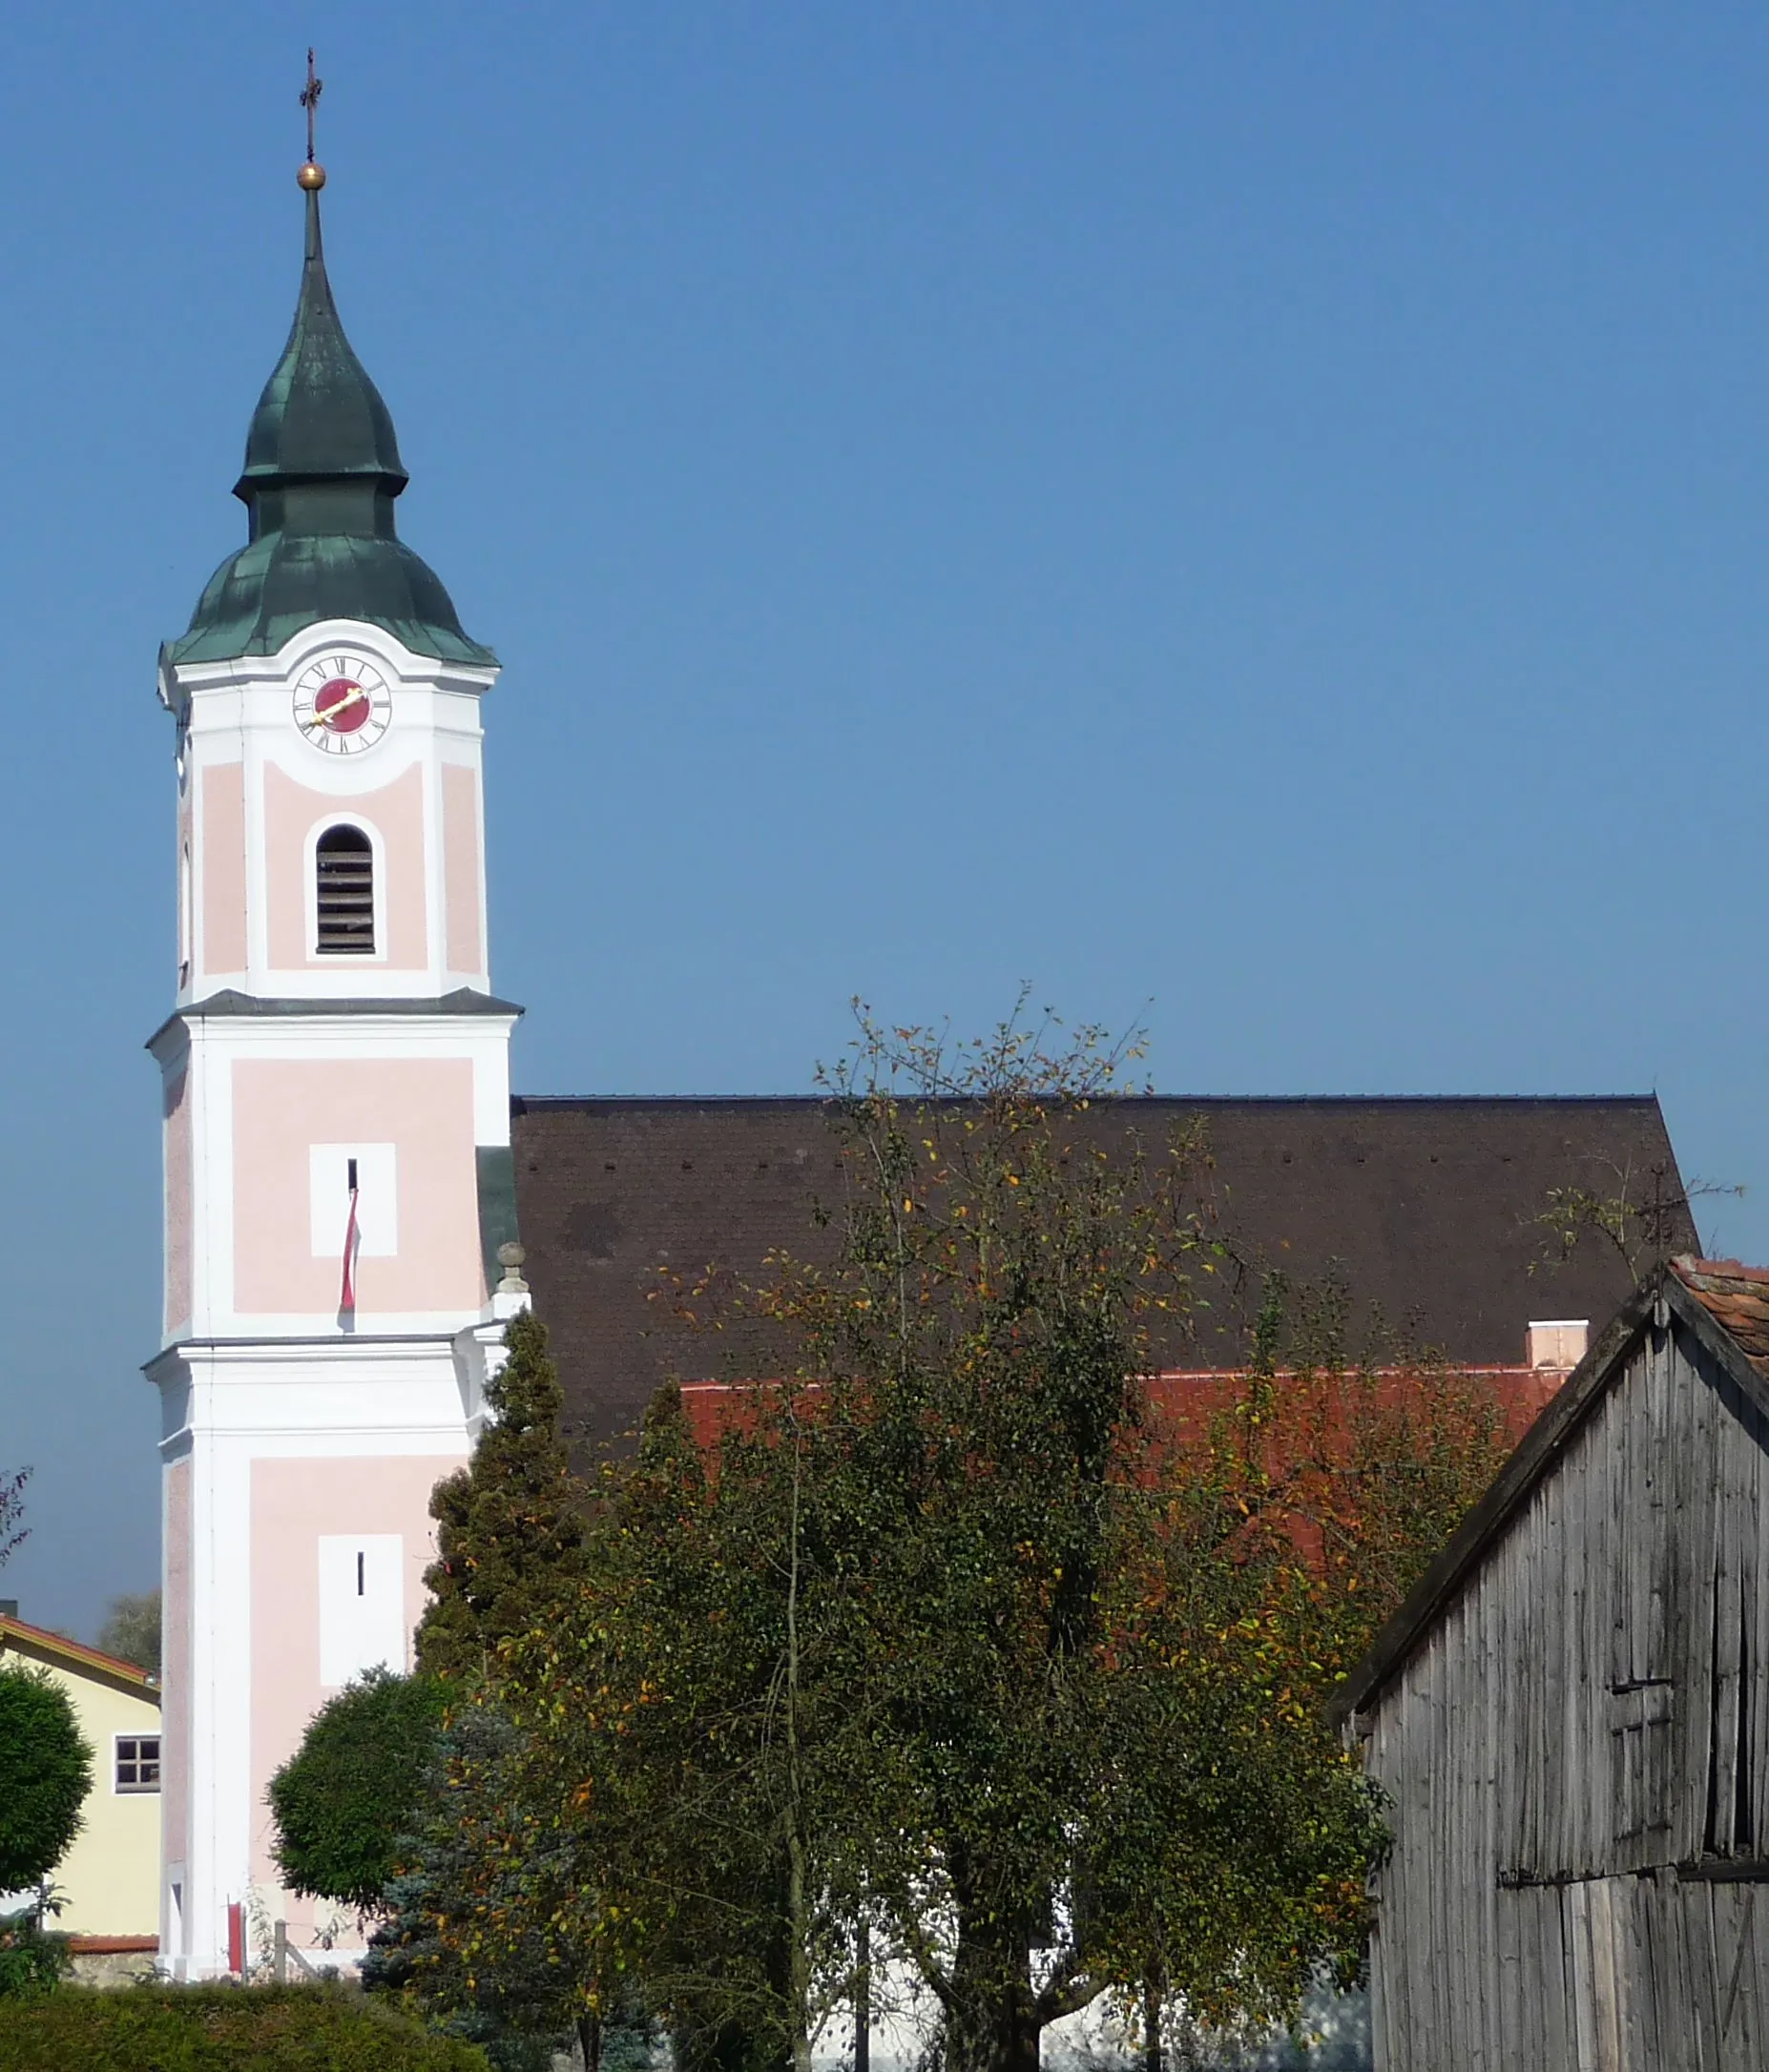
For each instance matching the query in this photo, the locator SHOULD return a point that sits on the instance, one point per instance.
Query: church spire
(320, 418)
(322, 471)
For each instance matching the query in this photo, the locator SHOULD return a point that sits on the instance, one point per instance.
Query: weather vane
(312, 174)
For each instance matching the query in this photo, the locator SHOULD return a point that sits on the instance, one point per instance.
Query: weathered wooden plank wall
(1577, 1758)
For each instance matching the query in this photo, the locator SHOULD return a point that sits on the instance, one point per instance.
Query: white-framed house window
(136, 1763)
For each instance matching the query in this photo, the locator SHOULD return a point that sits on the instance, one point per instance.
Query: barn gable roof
(1738, 1298)
(1725, 1307)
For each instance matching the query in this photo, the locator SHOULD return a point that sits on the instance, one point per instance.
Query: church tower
(335, 1101)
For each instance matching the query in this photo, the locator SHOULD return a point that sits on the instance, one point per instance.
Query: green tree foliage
(32, 1958)
(956, 1632)
(954, 1626)
(352, 1789)
(670, 1801)
(131, 1630)
(1638, 1215)
(508, 1525)
(45, 1770)
(518, 1997)
(511, 1547)
(220, 2029)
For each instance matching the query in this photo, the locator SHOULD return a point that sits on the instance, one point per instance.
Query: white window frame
(328, 1207)
(361, 1627)
(120, 1790)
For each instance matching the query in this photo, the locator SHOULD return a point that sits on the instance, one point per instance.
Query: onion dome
(322, 471)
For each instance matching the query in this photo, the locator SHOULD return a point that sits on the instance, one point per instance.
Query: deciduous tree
(131, 1630)
(12, 1527)
(352, 1790)
(952, 1621)
(45, 1770)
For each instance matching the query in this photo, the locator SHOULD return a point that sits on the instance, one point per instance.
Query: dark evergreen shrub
(510, 1525)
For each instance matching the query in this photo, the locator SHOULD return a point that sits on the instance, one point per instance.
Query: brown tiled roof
(1737, 1297)
(1428, 1207)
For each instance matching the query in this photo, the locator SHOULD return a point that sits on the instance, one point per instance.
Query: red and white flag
(346, 1299)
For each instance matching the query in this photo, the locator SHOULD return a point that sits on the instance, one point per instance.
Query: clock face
(342, 703)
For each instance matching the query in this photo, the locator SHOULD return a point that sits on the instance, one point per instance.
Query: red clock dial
(342, 703)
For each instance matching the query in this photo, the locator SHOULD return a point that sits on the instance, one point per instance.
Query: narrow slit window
(345, 864)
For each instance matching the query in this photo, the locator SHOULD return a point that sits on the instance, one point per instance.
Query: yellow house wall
(111, 1874)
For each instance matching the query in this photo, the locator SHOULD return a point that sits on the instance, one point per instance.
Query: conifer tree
(509, 1523)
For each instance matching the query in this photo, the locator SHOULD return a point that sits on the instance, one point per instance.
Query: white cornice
(241, 671)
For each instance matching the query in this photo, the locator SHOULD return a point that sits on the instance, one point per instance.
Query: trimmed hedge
(220, 2029)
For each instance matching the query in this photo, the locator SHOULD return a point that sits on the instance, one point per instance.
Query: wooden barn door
(1664, 1974)
(1596, 1938)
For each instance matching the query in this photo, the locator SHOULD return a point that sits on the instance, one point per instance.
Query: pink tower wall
(396, 814)
(461, 866)
(294, 1502)
(223, 867)
(422, 1106)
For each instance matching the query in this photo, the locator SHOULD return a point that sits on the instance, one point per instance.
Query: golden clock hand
(353, 696)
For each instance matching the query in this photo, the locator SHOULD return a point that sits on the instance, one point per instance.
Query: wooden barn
(1569, 1718)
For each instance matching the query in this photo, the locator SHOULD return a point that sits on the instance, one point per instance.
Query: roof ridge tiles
(1693, 1271)
(1199, 1100)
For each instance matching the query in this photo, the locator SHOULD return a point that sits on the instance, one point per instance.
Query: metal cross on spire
(310, 102)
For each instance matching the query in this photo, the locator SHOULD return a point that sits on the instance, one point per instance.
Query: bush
(220, 2029)
(32, 1958)
(350, 1792)
(45, 1770)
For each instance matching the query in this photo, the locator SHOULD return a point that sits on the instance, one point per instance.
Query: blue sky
(1259, 512)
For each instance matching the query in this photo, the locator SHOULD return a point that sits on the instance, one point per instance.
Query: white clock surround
(342, 704)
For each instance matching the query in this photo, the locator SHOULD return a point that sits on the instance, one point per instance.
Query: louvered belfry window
(346, 865)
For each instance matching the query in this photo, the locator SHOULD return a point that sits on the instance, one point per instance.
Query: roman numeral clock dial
(342, 704)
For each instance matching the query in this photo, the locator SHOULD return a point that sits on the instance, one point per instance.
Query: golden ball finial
(312, 176)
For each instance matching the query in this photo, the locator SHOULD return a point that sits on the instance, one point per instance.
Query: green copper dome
(322, 470)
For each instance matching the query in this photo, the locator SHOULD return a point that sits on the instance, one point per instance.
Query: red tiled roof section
(38, 1639)
(1737, 1297)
